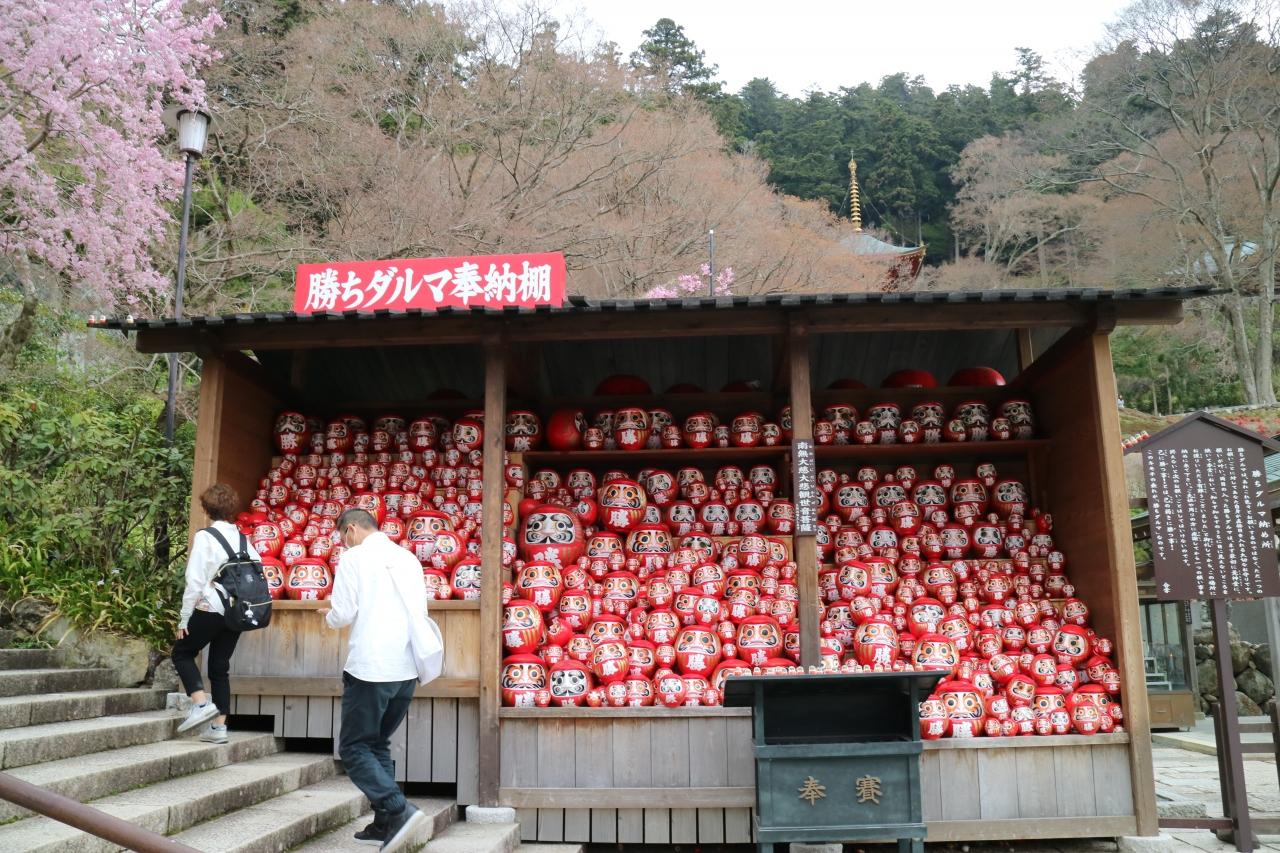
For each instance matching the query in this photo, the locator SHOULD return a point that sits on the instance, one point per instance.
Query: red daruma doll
(310, 579)
(934, 722)
(522, 626)
(964, 707)
(697, 651)
(523, 676)
(758, 639)
(609, 662)
(540, 582)
(570, 682)
(550, 533)
(876, 642)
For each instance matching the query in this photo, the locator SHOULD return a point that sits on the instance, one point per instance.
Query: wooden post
(804, 547)
(1026, 353)
(1231, 761)
(204, 465)
(495, 404)
(1124, 584)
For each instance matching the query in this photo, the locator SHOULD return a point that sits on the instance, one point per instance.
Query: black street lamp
(193, 132)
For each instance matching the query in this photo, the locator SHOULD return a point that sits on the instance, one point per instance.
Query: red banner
(485, 281)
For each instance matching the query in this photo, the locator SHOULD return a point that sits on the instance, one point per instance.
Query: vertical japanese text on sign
(1211, 529)
(806, 487)
(427, 284)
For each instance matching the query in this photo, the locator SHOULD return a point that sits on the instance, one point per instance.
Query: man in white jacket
(378, 585)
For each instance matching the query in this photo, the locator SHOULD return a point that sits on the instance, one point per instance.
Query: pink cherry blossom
(84, 180)
(693, 284)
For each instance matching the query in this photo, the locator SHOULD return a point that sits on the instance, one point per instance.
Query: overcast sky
(803, 44)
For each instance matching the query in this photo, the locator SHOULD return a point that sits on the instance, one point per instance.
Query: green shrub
(86, 483)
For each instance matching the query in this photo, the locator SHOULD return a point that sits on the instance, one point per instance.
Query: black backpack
(242, 586)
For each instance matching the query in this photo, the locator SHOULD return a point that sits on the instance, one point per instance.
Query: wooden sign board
(1211, 529)
(805, 477)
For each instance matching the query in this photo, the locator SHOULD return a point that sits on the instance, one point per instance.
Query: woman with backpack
(202, 620)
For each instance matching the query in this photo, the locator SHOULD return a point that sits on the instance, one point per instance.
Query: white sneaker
(197, 715)
(214, 734)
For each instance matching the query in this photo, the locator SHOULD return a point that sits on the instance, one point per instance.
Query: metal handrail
(86, 818)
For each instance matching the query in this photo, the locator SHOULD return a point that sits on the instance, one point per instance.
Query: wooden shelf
(944, 450)
(449, 604)
(678, 458)
(946, 394)
(605, 712)
(680, 404)
(1028, 741)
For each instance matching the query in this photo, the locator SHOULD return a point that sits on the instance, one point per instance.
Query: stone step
(100, 774)
(440, 816)
(23, 682)
(176, 804)
(468, 837)
(282, 822)
(53, 741)
(36, 710)
(30, 659)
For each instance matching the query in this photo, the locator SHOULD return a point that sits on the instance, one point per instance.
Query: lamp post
(193, 132)
(711, 262)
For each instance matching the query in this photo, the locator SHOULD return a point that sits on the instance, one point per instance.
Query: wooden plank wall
(1075, 407)
(680, 780)
(638, 780)
(291, 671)
(299, 645)
(437, 742)
(987, 781)
(233, 433)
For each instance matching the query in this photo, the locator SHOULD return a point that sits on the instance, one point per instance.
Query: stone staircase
(74, 732)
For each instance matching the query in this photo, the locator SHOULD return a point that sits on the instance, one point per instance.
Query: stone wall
(1252, 665)
(33, 622)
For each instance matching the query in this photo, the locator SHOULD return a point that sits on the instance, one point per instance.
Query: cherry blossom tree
(691, 285)
(84, 182)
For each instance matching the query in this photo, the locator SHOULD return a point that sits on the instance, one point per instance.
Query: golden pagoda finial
(855, 204)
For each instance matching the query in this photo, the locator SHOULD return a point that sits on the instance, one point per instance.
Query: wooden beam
(432, 606)
(1026, 352)
(1124, 584)
(949, 744)
(283, 685)
(804, 550)
(298, 372)
(495, 389)
(628, 798)
(652, 712)
(204, 465)
(1051, 358)
(781, 364)
(523, 374)
(586, 325)
(1015, 829)
(318, 334)
(252, 371)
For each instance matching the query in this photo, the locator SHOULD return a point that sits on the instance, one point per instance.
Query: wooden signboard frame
(1212, 538)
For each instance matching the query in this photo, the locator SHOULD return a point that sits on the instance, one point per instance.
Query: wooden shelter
(684, 775)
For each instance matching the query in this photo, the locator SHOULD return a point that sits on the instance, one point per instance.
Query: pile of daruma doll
(653, 589)
(638, 427)
(420, 479)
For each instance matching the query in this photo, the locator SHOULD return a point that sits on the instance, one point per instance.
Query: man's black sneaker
(400, 827)
(374, 833)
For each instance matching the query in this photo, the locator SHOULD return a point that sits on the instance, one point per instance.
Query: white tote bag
(425, 638)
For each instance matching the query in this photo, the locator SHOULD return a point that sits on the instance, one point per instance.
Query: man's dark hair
(359, 517)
